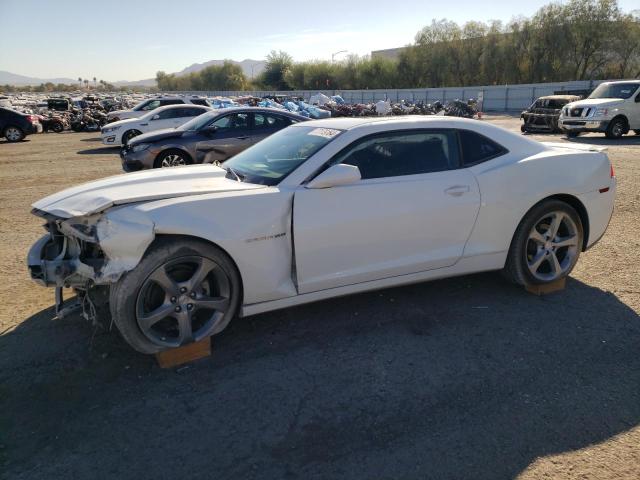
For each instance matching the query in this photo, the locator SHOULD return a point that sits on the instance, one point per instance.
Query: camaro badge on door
(267, 237)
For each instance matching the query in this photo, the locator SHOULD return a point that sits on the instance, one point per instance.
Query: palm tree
(80, 80)
(94, 81)
(86, 83)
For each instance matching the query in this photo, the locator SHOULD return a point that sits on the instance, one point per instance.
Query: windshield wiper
(234, 173)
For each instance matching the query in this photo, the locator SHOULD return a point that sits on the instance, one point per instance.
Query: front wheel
(572, 134)
(172, 158)
(182, 291)
(128, 135)
(13, 134)
(57, 127)
(546, 245)
(616, 128)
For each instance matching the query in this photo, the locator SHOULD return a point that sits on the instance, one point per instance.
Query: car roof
(372, 125)
(622, 81)
(560, 97)
(280, 111)
(180, 105)
(408, 121)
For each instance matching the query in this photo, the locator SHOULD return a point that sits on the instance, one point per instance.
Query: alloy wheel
(173, 160)
(552, 246)
(13, 134)
(182, 301)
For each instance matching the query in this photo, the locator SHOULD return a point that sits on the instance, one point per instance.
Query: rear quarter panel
(510, 187)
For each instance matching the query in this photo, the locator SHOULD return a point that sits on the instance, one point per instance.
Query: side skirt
(468, 265)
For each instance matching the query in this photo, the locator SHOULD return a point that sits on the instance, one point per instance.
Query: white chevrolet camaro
(321, 209)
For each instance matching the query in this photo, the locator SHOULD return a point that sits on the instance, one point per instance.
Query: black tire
(164, 159)
(637, 132)
(128, 135)
(123, 296)
(617, 127)
(57, 127)
(573, 134)
(13, 134)
(516, 269)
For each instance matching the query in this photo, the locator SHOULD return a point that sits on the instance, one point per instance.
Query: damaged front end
(88, 251)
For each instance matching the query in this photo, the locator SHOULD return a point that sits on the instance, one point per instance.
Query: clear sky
(132, 39)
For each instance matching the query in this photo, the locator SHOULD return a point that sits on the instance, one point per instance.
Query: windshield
(614, 90)
(197, 123)
(272, 159)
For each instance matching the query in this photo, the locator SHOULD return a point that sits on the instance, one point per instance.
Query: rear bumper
(599, 206)
(579, 125)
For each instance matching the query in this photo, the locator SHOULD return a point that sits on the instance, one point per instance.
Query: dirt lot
(461, 378)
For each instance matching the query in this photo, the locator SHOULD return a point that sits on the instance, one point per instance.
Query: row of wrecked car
(612, 108)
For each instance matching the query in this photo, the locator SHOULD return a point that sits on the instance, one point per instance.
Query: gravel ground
(461, 378)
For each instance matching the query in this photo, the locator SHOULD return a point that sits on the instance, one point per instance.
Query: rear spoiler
(576, 146)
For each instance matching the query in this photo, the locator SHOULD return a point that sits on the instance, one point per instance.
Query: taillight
(611, 172)
(32, 119)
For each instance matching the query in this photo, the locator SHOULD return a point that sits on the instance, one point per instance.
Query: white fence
(497, 98)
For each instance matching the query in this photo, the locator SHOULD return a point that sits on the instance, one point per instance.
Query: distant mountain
(251, 68)
(147, 82)
(8, 78)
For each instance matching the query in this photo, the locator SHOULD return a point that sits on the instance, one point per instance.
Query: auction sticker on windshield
(324, 132)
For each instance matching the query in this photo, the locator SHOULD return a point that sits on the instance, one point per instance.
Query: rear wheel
(546, 245)
(13, 134)
(128, 135)
(172, 158)
(57, 127)
(616, 128)
(183, 290)
(572, 134)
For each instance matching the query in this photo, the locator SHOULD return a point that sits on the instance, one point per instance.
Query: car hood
(115, 113)
(97, 196)
(157, 135)
(120, 123)
(596, 102)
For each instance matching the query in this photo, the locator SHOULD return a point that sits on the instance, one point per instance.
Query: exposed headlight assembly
(110, 129)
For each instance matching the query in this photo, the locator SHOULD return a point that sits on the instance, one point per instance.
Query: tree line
(577, 40)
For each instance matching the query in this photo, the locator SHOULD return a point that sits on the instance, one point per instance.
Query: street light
(336, 53)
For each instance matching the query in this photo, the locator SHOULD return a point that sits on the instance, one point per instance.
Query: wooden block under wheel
(185, 354)
(547, 288)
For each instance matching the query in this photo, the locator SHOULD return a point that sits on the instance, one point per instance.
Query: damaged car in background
(320, 209)
(543, 114)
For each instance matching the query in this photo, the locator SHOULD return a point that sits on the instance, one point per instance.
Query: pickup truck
(613, 108)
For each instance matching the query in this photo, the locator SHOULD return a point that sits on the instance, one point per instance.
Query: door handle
(243, 137)
(457, 190)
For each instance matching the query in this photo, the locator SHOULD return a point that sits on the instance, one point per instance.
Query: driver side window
(232, 121)
(402, 153)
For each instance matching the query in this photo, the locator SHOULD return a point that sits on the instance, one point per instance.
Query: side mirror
(340, 174)
(155, 117)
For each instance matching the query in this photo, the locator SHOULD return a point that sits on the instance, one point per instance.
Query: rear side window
(176, 101)
(477, 148)
(396, 154)
(189, 112)
(262, 120)
(199, 101)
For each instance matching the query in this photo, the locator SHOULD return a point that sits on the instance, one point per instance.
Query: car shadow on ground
(460, 378)
(99, 150)
(93, 139)
(604, 141)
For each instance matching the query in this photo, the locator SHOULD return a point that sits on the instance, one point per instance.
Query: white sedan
(172, 116)
(321, 209)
